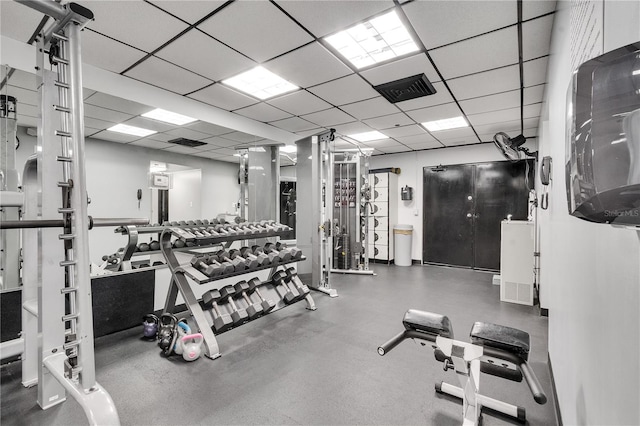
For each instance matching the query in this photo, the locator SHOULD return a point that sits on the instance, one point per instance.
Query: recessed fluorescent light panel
(261, 83)
(168, 117)
(445, 124)
(377, 40)
(131, 130)
(367, 136)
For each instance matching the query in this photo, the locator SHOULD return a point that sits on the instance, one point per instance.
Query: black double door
(463, 207)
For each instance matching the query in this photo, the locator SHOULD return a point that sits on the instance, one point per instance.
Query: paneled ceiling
(485, 63)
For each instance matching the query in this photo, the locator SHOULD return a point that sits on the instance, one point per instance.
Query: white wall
(185, 195)
(114, 173)
(590, 273)
(412, 164)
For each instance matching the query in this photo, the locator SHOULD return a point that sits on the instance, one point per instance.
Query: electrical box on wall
(603, 145)
(160, 180)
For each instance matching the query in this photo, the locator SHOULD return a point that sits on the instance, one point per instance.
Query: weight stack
(342, 253)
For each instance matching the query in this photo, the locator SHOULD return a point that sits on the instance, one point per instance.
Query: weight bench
(494, 349)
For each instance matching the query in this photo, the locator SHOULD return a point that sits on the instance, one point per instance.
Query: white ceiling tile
(340, 143)
(203, 55)
(534, 94)
(416, 139)
(345, 90)
(512, 128)
(189, 10)
(405, 67)
(147, 123)
(105, 114)
(381, 142)
(410, 130)
(500, 116)
(389, 121)
(26, 121)
(495, 102)
(352, 128)
(536, 37)
(181, 149)
(442, 96)
(186, 133)
(263, 112)
(533, 8)
(220, 142)
(294, 124)
(23, 96)
(136, 23)
(329, 117)
(94, 123)
(106, 135)
(18, 21)
(459, 142)
(160, 137)
(535, 72)
(394, 149)
(208, 154)
(223, 97)
(435, 113)
(28, 110)
(167, 76)
(150, 143)
(493, 50)
(258, 29)
(322, 20)
(464, 133)
(120, 55)
(23, 79)
(87, 92)
(229, 159)
(375, 107)
(434, 20)
(425, 145)
(223, 151)
(485, 83)
(241, 137)
(208, 128)
(311, 132)
(299, 103)
(117, 104)
(310, 65)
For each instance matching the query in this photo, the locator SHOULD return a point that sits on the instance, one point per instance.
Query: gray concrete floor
(313, 368)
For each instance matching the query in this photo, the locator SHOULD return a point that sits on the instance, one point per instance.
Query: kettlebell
(188, 345)
(167, 332)
(150, 326)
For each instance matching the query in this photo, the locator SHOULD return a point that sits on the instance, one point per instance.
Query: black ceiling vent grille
(406, 88)
(187, 142)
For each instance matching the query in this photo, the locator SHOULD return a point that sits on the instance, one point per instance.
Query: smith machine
(57, 321)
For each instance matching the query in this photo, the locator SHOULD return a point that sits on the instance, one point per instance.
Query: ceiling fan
(512, 147)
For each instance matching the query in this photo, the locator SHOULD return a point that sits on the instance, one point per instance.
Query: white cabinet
(382, 215)
(517, 262)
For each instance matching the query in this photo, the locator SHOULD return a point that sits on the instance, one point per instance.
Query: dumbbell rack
(182, 272)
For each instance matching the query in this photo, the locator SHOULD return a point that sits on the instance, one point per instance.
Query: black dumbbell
(253, 309)
(290, 295)
(209, 269)
(283, 255)
(261, 258)
(238, 263)
(221, 321)
(154, 245)
(267, 304)
(179, 243)
(227, 268)
(293, 277)
(272, 256)
(238, 315)
(273, 226)
(250, 263)
(143, 247)
(296, 253)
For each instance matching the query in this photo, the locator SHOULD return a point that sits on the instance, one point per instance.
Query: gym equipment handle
(534, 385)
(59, 223)
(392, 343)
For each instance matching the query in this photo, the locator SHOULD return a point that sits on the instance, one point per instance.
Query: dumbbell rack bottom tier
(183, 273)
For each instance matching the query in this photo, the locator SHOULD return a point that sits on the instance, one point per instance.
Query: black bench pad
(501, 337)
(428, 322)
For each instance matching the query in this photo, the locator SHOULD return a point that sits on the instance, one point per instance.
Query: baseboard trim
(553, 391)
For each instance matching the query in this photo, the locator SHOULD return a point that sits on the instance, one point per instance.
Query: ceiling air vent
(187, 142)
(406, 88)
